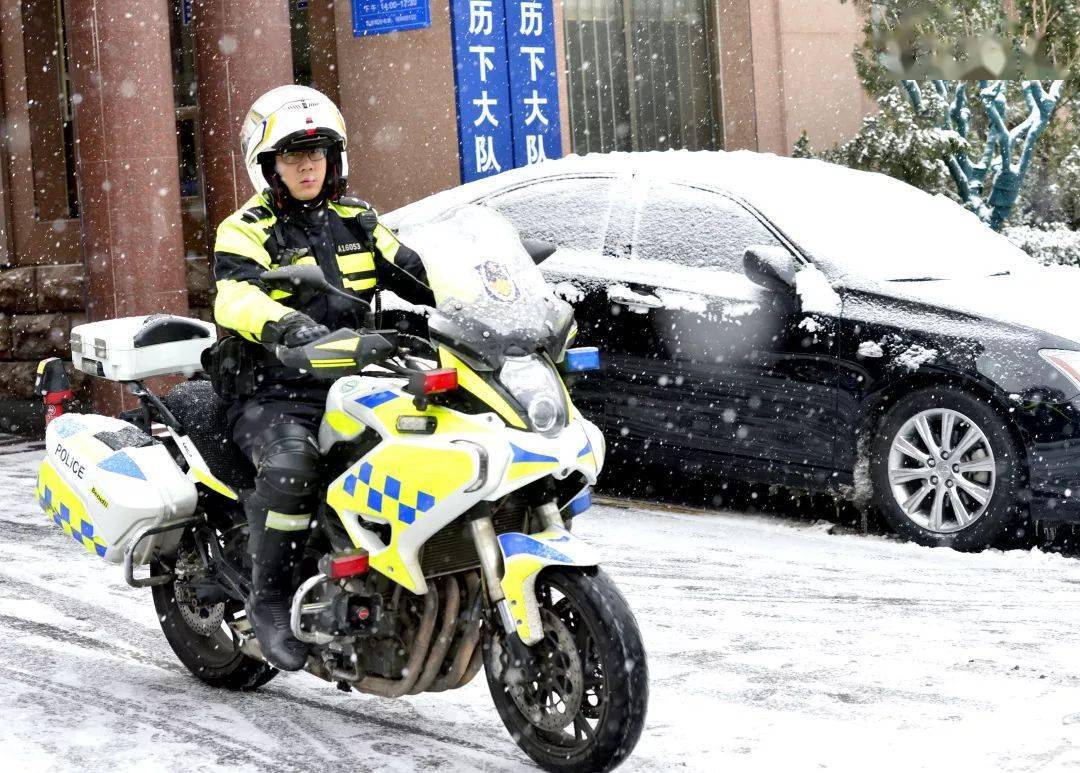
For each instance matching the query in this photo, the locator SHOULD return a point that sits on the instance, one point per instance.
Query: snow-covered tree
(989, 183)
(992, 144)
(898, 141)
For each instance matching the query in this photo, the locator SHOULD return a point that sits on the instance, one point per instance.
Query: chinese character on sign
(534, 145)
(485, 155)
(480, 19)
(506, 83)
(483, 60)
(485, 103)
(534, 103)
(535, 62)
(532, 18)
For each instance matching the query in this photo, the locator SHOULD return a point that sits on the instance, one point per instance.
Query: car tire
(964, 494)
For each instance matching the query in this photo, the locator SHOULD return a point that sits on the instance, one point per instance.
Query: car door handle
(627, 297)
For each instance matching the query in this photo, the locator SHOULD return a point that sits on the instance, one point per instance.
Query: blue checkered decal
(82, 532)
(381, 501)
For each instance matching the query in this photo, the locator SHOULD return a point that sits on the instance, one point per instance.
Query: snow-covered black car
(802, 324)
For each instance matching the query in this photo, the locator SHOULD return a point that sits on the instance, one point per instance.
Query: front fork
(491, 565)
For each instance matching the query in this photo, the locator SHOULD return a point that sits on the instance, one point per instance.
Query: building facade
(120, 150)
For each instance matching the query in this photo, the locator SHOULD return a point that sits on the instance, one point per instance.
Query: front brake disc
(550, 697)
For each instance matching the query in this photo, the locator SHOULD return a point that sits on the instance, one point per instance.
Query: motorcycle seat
(202, 414)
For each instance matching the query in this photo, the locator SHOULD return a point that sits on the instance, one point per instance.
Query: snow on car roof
(856, 223)
(431, 206)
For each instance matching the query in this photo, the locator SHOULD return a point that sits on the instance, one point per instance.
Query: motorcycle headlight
(535, 385)
(1065, 362)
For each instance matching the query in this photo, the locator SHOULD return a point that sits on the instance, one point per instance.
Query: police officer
(293, 142)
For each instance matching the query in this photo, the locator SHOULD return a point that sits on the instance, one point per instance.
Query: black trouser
(278, 433)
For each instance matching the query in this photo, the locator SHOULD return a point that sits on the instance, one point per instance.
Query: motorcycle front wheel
(581, 705)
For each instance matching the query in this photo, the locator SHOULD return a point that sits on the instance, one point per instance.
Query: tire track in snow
(13, 444)
(71, 638)
(281, 699)
(83, 698)
(274, 712)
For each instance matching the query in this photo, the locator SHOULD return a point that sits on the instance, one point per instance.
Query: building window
(642, 75)
(182, 40)
(52, 151)
(188, 142)
(300, 22)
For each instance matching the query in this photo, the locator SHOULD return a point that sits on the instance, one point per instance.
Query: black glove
(294, 329)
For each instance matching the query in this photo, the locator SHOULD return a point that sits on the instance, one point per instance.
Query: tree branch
(914, 94)
(993, 99)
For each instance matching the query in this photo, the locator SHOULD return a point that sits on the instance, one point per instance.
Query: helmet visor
(302, 140)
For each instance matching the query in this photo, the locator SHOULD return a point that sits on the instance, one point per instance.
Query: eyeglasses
(294, 157)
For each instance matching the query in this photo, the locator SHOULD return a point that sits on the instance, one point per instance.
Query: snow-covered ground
(773, 645)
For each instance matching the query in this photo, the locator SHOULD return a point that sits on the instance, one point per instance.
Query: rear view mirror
(297, 276)
(770, 266)
(306, 275)
(539, 250)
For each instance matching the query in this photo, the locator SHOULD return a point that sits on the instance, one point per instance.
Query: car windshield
(934, 239)
(862, 225)
(491, 299)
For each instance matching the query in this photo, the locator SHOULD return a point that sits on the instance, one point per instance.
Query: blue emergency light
(582, 358)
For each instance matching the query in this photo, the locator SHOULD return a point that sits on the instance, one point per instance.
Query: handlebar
(292, 357)
(341, 353)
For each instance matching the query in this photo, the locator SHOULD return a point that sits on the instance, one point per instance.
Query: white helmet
(292, 116)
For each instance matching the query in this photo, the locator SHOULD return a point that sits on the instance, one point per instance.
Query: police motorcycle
(453, 465)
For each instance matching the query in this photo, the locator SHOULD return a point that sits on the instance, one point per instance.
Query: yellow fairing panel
(524, 555)
(61, 504)
(405, 485)
(343, 423)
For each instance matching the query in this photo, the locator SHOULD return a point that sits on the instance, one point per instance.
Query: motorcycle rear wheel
(210, 652)
(584, 706)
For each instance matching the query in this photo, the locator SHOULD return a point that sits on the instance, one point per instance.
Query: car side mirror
(539, 250)
(770, 266)
(297, 275)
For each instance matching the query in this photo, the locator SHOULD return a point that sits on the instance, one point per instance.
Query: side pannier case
(103, 480)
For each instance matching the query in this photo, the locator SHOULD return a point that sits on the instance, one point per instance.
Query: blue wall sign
(507, 84)
(534, 82)
(374, 17)
(481, 79)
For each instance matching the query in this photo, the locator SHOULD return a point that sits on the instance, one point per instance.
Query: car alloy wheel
(942, 470)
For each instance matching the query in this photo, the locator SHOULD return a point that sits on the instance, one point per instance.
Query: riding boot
(276, 544)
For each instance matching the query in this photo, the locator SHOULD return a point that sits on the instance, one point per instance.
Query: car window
(570, 212)
(695, 228)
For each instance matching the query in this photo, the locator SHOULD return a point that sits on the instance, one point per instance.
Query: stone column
(243, 48)
(129, 192)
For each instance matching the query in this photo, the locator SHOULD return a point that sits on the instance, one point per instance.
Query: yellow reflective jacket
(344, 238)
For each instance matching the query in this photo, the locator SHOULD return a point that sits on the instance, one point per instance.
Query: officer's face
(304, 179)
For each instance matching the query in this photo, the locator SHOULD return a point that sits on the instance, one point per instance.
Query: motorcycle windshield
(491, 300)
